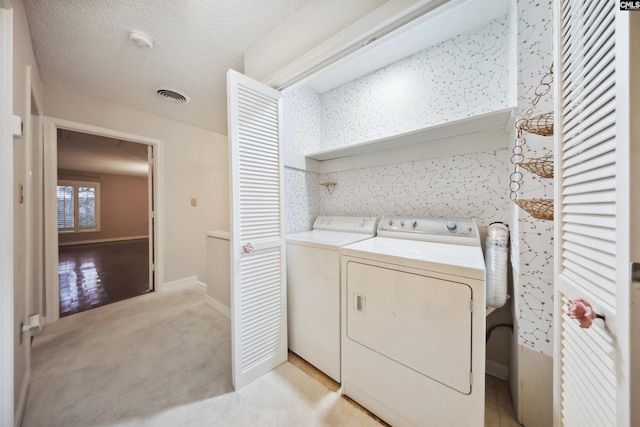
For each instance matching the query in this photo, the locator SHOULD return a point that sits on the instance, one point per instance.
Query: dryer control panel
(445, 230)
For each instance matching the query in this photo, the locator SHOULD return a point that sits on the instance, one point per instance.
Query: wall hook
(330, 185)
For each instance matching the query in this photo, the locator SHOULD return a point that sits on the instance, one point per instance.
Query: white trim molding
(6, 216)
(185, 281)
(218, 306)
(114, 239)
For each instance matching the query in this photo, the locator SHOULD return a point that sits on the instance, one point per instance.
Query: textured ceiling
(83, 45)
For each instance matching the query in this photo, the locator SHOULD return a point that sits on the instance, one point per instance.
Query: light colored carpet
(164, 359)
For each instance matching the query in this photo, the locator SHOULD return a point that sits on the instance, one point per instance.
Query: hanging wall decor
(541, 125)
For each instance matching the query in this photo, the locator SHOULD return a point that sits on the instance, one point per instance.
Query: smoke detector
(141, 39)
(173, 95)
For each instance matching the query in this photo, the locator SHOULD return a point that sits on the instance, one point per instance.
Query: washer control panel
(351, 224)
(446, 230)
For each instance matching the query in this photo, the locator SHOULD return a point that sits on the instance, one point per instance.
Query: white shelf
(484, 132)
(484, 122)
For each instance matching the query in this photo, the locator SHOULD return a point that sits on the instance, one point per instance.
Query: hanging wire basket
(539, 125)
(541, 166)
(537, 208)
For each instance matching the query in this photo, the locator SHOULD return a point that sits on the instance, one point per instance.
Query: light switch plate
(194, 202)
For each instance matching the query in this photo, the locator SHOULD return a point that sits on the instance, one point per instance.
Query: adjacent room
(104, 216)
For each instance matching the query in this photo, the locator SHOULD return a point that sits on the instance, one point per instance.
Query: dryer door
(421, 322)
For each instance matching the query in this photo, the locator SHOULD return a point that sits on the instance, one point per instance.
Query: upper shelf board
(494, 120)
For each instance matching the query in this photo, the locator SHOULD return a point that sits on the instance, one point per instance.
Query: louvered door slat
(595, 185)
(583, 122)
(595, 103)
(590, 209)
(603, 173)
(606, 247)
(594, 137)
(578, 229)
(258, 312)
(600, 257)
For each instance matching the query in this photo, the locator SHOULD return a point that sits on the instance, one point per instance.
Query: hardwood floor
(97, 274)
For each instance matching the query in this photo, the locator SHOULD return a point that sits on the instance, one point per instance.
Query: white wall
(23, 57)
(195, 166)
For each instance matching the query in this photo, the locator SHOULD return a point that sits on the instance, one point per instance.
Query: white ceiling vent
(173, 95)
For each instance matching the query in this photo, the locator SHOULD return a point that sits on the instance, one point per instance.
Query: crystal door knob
(247, 248)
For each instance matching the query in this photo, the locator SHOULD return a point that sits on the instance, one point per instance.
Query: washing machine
(313, 287)
(413, 334)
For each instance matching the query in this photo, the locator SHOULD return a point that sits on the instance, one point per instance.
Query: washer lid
(325, 238)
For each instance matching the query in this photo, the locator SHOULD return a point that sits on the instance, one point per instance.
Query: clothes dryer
(413, 304)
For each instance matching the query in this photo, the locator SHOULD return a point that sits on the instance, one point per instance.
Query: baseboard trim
(497, 369)
(201, 284)
(113, 239)
(218, 306)
(22, 403)
(191, 280)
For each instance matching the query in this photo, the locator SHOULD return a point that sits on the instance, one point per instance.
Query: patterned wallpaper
(458, 78)
(302, 129)
(469, 185)
(301, 198)
(532, 239)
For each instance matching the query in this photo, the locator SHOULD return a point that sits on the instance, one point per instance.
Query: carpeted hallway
(164, 359)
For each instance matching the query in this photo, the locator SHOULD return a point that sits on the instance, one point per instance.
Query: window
(78, 206)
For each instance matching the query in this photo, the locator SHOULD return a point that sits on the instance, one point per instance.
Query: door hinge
(635, 271)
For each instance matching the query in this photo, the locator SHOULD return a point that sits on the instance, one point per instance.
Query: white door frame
(7, 332)
(33, 100)
(51, 126)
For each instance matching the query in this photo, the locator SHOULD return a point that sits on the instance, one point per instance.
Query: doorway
(101, 218)
(104, 216)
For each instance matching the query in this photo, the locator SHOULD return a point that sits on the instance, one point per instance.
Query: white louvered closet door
(591, 216)
(258, 292)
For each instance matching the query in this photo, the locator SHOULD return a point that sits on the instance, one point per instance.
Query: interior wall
(531, 238)
(23, 56)
(195, 166)
(124, 207)
(464, 76)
